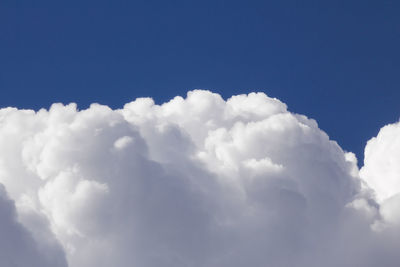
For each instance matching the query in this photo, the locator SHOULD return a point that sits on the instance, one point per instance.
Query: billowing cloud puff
(382, 162)
(381, 170)
(198, 181)
(19, 247)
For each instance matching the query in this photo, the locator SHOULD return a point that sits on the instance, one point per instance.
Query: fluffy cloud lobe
(198, 181)
(381, 170)
(19, 247)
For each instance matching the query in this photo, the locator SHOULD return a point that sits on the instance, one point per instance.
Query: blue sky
(335, 61)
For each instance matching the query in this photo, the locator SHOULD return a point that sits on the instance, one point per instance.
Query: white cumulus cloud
(20, 247)
(381, 170)
(197, 181)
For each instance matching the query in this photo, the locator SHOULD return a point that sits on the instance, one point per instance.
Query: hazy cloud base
(198, 181)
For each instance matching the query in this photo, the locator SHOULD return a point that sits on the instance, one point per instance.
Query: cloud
(381, 170)
(196, 181)
(19, 247)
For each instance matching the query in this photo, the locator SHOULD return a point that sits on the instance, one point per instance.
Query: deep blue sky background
(335, 61)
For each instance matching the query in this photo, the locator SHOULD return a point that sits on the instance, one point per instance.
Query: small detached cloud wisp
(197, 181)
